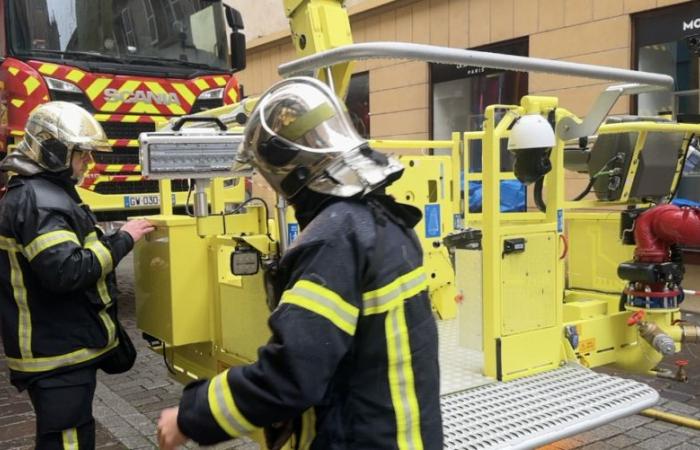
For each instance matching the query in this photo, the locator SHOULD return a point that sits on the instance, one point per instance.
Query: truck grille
(127, 130)
(119, 155)
(137, 187)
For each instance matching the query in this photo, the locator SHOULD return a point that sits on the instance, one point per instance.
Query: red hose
(658, 228)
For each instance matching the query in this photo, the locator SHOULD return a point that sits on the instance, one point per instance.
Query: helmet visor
(308, 118)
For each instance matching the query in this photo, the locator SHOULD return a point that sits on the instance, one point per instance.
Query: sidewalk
(127, 406)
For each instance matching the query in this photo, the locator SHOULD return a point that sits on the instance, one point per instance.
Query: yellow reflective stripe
(109, 324)
(395, 293)
(24, 318)
(223, 407)
(9, 245)
(401, 381)
(70, 439)
(47, 363)
(308, 429)
(103, 254)
(48, 240)
(324, 302)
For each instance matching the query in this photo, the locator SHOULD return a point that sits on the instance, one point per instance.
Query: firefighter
(57, 282)
(353, 359)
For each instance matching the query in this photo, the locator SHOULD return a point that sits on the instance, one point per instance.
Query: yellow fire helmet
(300, 135)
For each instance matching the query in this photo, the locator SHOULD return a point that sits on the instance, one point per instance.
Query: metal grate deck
(460, 368)
(539, 409)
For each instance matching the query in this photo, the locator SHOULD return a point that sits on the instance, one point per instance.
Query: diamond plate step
(539, 409)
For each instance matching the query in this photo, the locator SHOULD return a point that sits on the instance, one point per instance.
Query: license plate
(138, 201)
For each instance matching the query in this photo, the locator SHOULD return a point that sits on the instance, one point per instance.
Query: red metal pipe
(661, 226)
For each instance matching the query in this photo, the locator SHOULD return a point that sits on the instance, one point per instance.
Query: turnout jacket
(354, 349)
(57, 285)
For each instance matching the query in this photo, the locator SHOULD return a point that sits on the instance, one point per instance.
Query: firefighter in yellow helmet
(353, 359)
(57, 283)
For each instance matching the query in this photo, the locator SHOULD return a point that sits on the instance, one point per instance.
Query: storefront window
(358, 103)
(459, 97)
(668, 41)
(460, 94)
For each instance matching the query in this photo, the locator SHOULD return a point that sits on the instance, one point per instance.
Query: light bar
(191, 153)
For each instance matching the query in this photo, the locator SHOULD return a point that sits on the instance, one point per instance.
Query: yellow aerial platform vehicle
(541, 296)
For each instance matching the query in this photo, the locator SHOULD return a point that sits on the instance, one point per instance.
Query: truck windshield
(190, 33)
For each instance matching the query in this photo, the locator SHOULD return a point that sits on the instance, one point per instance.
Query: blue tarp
(685, 202)
(513, 196)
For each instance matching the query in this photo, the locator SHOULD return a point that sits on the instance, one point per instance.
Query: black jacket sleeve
(313, 329)
(60, 260)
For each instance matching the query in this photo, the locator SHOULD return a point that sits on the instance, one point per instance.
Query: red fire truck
(132, 63)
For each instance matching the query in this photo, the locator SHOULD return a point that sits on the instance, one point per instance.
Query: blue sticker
(560, 220)
(432, 221)
(292, 232)
(127, 203)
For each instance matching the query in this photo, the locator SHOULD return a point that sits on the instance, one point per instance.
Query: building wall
(263, 17)
(587, 31)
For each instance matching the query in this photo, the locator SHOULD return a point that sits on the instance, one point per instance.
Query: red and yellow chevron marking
(124, 142)
(24, 90)
(90, 182)
(115, 168)
(130, 118)
(158, 92)
(231, 92)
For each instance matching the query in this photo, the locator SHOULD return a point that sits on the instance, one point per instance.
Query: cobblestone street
(127, 406)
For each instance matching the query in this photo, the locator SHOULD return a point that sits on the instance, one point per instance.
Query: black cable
(187, 202)
(586, 191)
(165, 360)
(680, 175)
(593, 178)
(539, 201)
(243, 205)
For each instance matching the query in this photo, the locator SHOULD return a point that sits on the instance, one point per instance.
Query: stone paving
(127, 406)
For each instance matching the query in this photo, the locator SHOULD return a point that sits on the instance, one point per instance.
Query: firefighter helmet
(55, 129)
(300, 134)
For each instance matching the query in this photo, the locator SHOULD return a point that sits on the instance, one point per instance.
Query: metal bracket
(569, 128)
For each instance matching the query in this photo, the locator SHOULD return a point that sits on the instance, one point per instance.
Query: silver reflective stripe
(103, 254)
(404, 289)
(224, 409)
(402, 381)
(53, 362)
(9, 245)
(70, 439)
(24, 317)
(48, 240)
(328, 303)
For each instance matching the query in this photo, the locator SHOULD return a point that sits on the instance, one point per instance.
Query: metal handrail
(446, 55)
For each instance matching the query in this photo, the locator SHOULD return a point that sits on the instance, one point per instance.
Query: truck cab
(134, 64)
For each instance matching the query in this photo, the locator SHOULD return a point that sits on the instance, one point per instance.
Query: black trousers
(63, 407)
